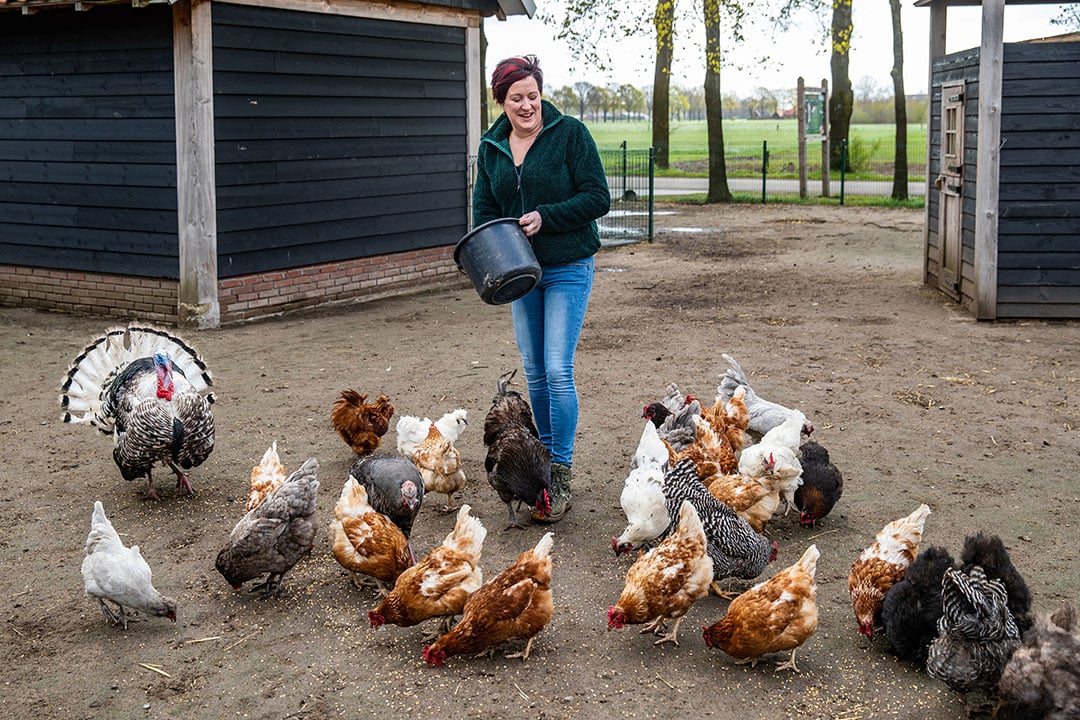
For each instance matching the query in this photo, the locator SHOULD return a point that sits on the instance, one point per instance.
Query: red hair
(510, 71)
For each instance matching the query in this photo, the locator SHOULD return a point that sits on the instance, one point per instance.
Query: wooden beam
(938, 25)
(196, 190)
(474, 81)
(988, 170)
(399, 11)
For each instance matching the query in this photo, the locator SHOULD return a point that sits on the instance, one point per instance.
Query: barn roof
(500, 8)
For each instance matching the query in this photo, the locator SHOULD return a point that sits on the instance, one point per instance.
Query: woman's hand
(530, 223)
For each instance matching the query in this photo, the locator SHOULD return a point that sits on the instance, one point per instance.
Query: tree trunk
(664, 21)
(842, 98)
(900, 171)
(714, 112)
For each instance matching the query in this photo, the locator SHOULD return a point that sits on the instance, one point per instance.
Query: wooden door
(950, 186)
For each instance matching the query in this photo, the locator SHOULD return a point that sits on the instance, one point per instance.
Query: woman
(542, 167)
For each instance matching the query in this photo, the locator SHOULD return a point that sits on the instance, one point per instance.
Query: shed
(206, 161)
(1002, 234)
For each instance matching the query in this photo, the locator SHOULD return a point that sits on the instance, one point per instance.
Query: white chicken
(642, 497)
(411, 430)
(764, 415)
(120, 574)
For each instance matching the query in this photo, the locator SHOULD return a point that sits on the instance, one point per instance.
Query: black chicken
(394, 488)
(912, 606)
(988, 552)
(822, 483)
(274, 535)
(518, 465)
(736, 550)
(148, 388)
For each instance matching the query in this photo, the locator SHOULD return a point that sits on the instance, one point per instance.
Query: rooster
(664, 582)
(119, 574)
(366, 542)
(882, 565)
(518, 464)
(1042, 678)
(764, 415)
(359, 423)
(149, 390)
(266, 477)
(440, 583)
(273, 536)
(394, 488)
(440, 468)
(774, 616)
(821, 486)
(411, 430)
(516, 604)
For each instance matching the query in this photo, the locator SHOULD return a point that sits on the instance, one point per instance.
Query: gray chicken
(1042, 678)
(119, 574)
(518, 464)
(394, 487)
(149, 390)
(736, 550)
(764, 415)
(272, 537)
(976, 632)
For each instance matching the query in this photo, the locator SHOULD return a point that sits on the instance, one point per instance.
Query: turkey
(150, 390)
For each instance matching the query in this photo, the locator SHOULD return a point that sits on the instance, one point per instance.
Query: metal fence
(631, 182)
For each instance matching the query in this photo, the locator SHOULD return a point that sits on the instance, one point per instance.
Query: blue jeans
(547, 325)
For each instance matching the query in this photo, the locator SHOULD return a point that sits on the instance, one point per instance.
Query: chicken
(882, 565)
(736, 550)
(729, 418)
(679, 429)
(266, 477)
(518, 464)
(149, 390)
(516, 604)
(642, 498)
(764, 415)
(411, 430)
(366, 542)
(711, 452)
(273, 536)
(119, 574)
(440, 468)
(1042, 678)
(777, 615)
(822, 484)
(359, 423)
(664, 582)
(785, 438)
(988, 552)
(394, 488)
(753, 499)
(441, 582)
(912, 606)
(976, 632)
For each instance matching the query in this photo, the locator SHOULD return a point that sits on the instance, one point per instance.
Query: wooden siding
(87, 141)
(1039, 225)
(336, 137)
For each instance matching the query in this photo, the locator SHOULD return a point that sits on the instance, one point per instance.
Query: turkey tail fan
(145, 340)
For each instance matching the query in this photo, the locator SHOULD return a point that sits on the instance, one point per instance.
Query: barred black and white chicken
(150, 390)
(518, 464)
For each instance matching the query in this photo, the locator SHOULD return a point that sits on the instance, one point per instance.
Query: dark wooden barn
(1003, 194)
(203, 162)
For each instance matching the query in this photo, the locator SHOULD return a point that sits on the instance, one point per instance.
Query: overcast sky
(800, 52)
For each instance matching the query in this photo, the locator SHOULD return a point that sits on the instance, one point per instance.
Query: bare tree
(900, 170)
(841, 101)
(582, 89)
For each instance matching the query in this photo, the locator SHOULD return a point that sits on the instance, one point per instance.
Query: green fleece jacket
(561, 177)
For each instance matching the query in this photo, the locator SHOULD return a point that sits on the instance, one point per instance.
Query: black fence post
(764, 167)
(623, 146)
(652, 188)
(843, 167)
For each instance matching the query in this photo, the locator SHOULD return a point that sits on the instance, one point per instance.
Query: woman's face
(522, 107)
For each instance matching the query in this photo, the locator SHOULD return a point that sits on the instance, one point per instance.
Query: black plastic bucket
(499, 260)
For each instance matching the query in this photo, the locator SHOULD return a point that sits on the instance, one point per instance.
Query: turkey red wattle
(163, 368)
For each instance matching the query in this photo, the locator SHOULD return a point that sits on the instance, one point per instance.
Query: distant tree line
(873, 103)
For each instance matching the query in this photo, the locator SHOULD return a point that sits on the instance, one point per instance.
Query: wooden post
(988, 171)
(196, 190)
(800, 113)
(825, 138)
(938, 17)
(475, 89)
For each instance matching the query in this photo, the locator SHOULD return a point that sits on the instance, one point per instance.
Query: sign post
(813, 113)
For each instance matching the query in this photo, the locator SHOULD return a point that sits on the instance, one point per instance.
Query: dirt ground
(916, 401)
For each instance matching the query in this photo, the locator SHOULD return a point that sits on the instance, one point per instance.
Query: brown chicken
(882, 565)
(664, 582)
(266, 477)
(366, 542)
(752, 499)
(359, 423)
(439, 464)
(729, 418)
(514, 605)
(440, 583)
(777, 615)
(710, 451)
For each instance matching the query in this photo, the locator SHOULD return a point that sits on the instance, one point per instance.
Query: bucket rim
(497, 221)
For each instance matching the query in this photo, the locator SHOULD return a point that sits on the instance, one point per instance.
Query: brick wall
(240, 298)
